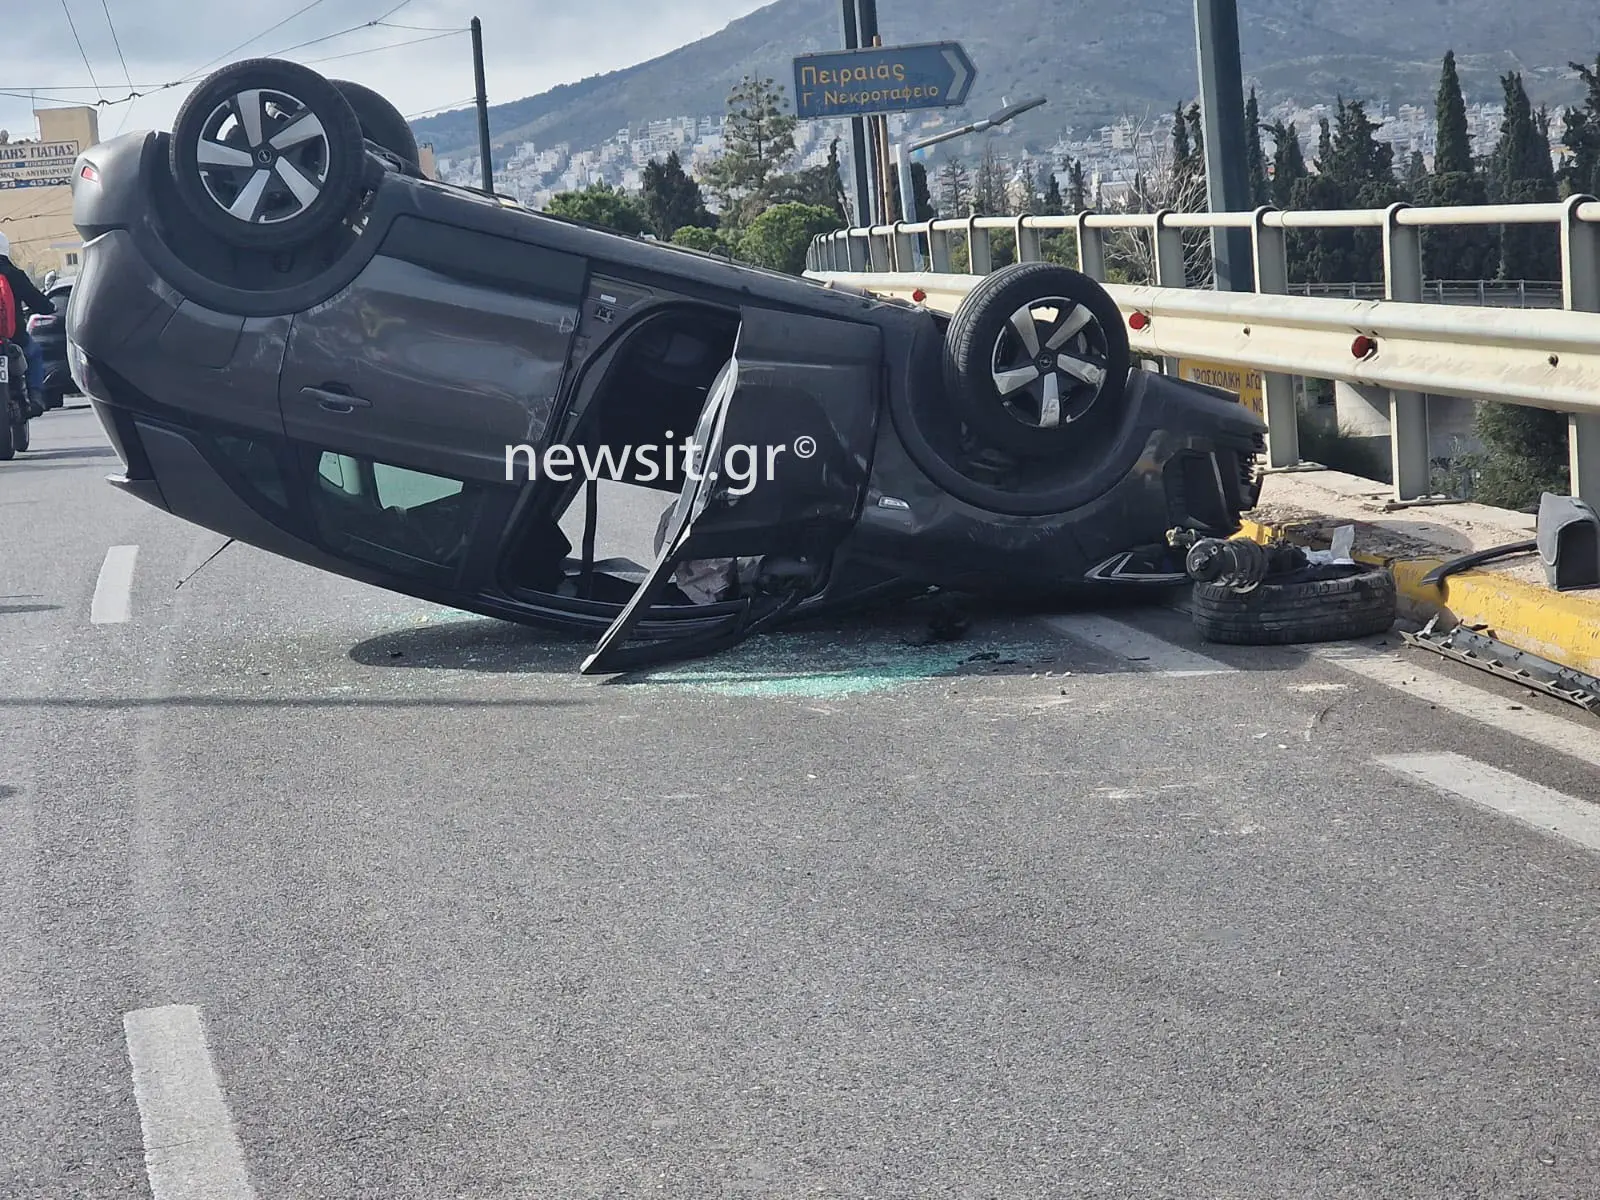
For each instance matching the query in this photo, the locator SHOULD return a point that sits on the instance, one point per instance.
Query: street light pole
(485, 159)
(903, 153)
(1222, 126)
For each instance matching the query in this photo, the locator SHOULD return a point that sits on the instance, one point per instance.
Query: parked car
(295, 339)
(50, 332)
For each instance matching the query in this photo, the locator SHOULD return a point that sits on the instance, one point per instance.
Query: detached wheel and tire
(267, 154)
(381, 122)
(1360, 604)
(1035, 355)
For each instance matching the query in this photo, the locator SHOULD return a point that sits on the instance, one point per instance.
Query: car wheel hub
(263, 156)
(1049, 362)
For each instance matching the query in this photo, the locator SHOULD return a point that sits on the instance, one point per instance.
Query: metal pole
(858, 128)
(1222, 122)
(484, 156)
(908, 200)
(867, 29)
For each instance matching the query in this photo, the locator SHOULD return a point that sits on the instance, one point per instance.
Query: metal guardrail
(1399, 344)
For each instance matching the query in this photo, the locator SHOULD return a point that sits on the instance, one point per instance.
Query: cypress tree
(1581, 135)
(1077, 187)
(1454, 152)
(1255, 156)
(1288, 162)
(1467, 252)
(1526, 176)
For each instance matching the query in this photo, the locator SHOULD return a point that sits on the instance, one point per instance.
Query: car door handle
(338, 402)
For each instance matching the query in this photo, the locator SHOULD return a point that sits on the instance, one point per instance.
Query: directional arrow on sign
(880, 79)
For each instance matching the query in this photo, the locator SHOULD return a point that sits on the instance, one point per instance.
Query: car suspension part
(1236, 563)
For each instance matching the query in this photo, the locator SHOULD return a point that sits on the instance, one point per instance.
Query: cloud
(527, 48)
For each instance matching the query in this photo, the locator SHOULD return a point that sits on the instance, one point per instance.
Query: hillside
(1094, 60)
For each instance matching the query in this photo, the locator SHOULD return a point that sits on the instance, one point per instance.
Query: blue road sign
(854, 83)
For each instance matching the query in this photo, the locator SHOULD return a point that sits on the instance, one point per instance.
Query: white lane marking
(1533, 804)
(113, 592)
(1125, 641)
(191, 1151)
(1575, 738)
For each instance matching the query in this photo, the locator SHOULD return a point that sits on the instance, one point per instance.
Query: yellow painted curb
(1563, 627)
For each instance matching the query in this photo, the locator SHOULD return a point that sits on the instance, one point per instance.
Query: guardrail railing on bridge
(1400, 343)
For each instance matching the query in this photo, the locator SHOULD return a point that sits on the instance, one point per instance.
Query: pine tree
(1255, 156)
(1526, 176)
(989, 189)
(758, 140)
(955, 189)
(672, 199)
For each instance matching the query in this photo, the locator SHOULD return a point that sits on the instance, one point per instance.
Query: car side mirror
(1568, 536)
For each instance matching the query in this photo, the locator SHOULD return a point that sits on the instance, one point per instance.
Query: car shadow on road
(8, 609)
(928, 638)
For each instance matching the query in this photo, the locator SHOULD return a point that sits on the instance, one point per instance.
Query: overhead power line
(117, 42)
(390, 46)
(198, 71)
(152, 89)
(73, 25)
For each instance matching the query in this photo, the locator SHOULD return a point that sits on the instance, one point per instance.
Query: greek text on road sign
(853, 83)
(1245, 384)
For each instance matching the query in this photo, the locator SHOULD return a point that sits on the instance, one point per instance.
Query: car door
(449, 347)
(797, 406)
(405, 393)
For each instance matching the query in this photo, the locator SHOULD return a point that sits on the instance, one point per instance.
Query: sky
(528, 48)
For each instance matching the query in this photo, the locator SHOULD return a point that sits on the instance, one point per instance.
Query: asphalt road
(309, 890)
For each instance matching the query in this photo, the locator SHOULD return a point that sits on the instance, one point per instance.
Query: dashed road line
(1579, 739)
(191, 1150)
(1529, 803)
(1149, 652)
(113, 591)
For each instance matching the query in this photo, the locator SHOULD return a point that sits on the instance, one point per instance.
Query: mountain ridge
(1094, 64)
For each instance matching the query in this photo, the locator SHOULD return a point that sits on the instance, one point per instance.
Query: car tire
(52, 398)
(1360, 604)
(21, 437)
(995, 339)
(248, 192)
(381, 122)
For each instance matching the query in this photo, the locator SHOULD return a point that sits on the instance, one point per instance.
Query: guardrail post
(1091, 248)
(856, 251)
(1028, 249)
(978, 254)
(1580, 292)
(880, 247)
(906, 249)
(1271, 252)
(938, 249)
(1171, 270)
(1410, 456)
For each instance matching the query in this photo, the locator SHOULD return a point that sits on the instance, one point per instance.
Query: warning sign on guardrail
(1241, 381)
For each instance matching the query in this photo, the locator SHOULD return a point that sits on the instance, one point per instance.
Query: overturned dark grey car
(295, 339)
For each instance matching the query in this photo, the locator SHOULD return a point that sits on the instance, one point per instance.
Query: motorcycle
(14, 435)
